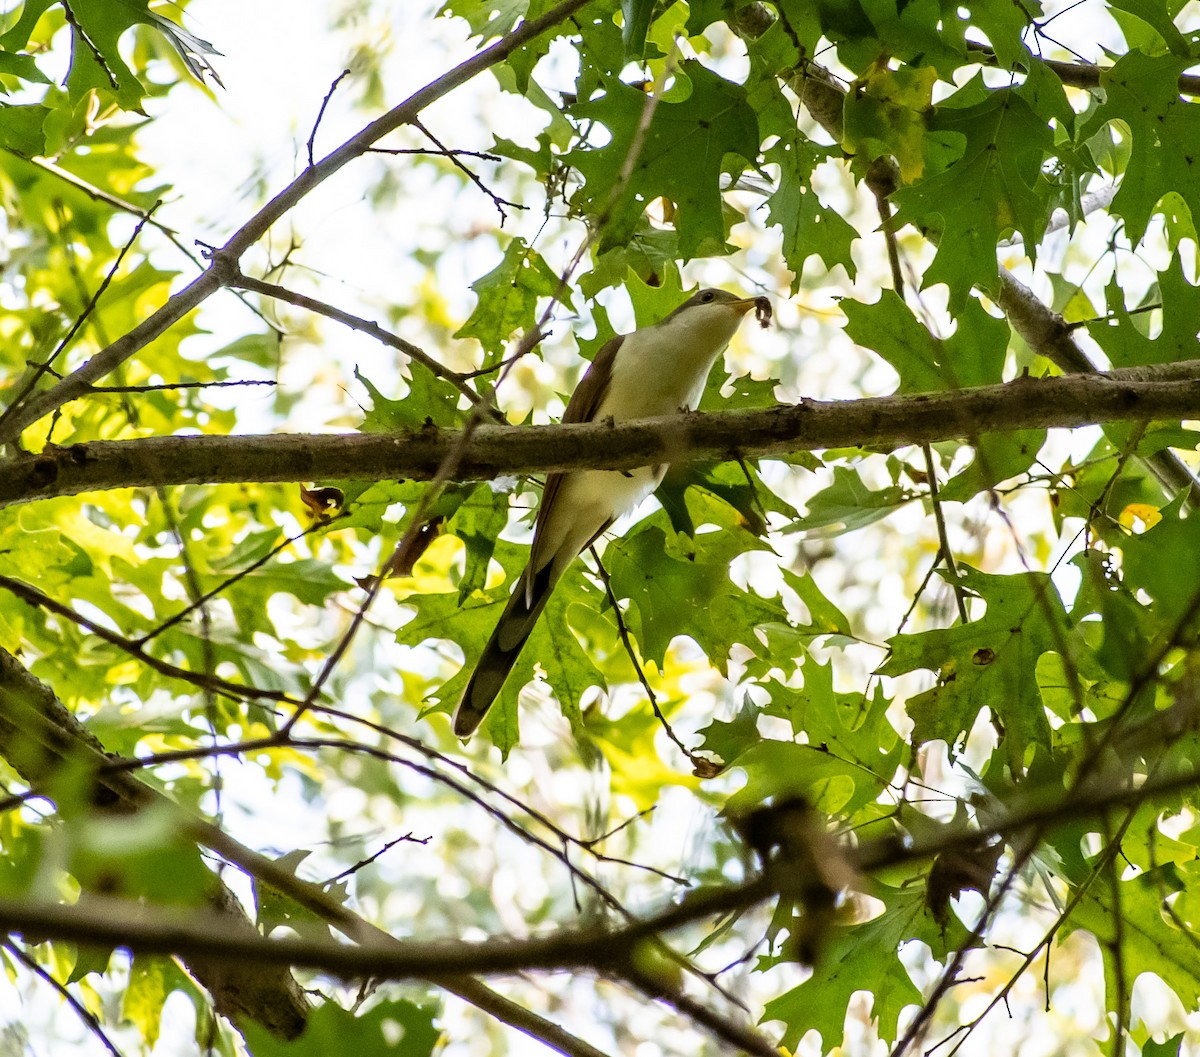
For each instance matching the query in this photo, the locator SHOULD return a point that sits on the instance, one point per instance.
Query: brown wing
(594, 383)
(588, 395)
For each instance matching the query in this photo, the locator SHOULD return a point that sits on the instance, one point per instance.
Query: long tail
(524, 607)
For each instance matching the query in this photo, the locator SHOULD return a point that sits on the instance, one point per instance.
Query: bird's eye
(706, 296)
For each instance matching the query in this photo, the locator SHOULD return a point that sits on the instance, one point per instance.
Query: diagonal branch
(1169, 393)
(40, 739)
(597, 947)
(222, 268)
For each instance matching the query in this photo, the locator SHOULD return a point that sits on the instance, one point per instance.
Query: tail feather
(516, 624)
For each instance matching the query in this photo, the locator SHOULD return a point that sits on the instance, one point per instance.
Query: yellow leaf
(1137, 517)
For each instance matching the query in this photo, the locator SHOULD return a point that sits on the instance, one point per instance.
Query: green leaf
(18, 35)
(1172, 1046)
(973, 355)
(1005, 26)
(478, 522)
(691, 141)
(848, 504)
(152, 980)
(1155, 14)
(886, 115)
(1149, 942)
(850, 754)
(429, 400)
(924, 31)
(673, 592)
(824, 617)
(21, 129)
(988, 193)
(808, 227)
(1123, 334)
(1164, 562)
(735, 484)
(144, 856)
(508, 297)
(988, 663)
(487, 18)
(22, 66)
(859, 958)
(637, 14)
(96, 62)
(1143, 91)
(781, 770)
(648, 259)
(388, 1027)
(552, 646)
(998, 457)
(703, 13)
(276, 908)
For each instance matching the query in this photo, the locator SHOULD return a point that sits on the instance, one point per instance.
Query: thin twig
(362, 864)
(456, 160)
(698, 762)
(238, 691)
(42, 368)
(312, 136)
(78, 1008)
(943, 537)
(224, 585)
(365, 326)
(171, 386)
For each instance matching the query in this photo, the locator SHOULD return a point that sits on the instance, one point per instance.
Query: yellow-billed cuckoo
(657, 370)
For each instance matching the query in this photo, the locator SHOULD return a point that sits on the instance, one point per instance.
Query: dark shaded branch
(162, 930)
(39, 738)
(1170, 393)
(1079, 74)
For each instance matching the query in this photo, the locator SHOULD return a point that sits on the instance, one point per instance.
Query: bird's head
(712, 315)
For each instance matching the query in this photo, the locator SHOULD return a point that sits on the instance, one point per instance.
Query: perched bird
(657, 370)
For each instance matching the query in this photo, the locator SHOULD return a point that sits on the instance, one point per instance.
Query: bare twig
(699, 763)
(944, 550)
(365, 326)
(201, 598)
(455, 158)
(172, 386)
(312, 136)
(78, 1008)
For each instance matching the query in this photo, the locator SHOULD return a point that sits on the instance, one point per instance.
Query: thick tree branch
(1170, 392)
(222, 270)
